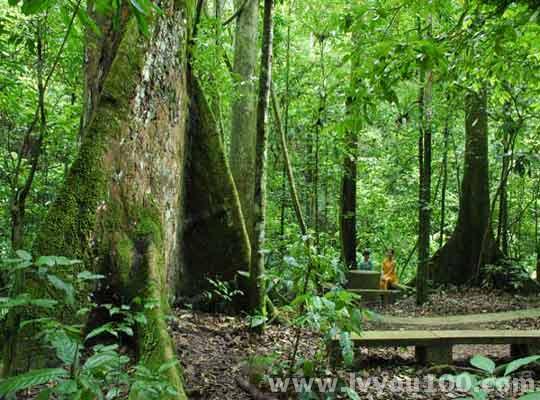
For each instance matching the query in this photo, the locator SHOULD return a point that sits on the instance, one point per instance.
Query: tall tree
(257, 287)
(472, 244)
(244, 107)
(121, 209)
(424, 196)
(347, 216)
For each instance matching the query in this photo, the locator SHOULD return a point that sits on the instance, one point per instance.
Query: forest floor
(214, 348)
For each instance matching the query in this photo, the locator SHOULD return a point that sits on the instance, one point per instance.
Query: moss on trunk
(119, 209)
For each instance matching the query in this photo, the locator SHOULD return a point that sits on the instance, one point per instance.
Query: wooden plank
(427, 338)
(459, 320)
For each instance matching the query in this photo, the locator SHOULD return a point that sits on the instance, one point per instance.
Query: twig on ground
(255, 393)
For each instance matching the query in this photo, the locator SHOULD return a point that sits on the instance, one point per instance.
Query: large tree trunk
(244, 108)
(472, 244)
(119, 210)
(125, 209)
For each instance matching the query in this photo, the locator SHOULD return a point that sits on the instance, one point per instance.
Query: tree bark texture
(456, 262)
(244, 108)
(149, 183)
(257, 286)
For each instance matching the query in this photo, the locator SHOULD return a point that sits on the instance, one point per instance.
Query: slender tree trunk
(347, 209)
(424, 212)
(257, 286)
(536, 226)
(502, 230)
(472, 244)
(446, 134)
(288, 167)
(347, 217)
(21, 192)
(244, 109)
(285, 124)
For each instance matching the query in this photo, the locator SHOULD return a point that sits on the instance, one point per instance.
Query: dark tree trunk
(472, 244)
(215, 238)
(424, 203)
(347, 212)
(347, 216)
(442, 227)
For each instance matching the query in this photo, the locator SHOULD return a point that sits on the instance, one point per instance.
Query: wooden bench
(435, 347)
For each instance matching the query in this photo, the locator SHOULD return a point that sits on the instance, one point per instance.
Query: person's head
(366, 254)
(390, 253)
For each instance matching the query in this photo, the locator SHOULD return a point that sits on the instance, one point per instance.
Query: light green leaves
(483, 363)
(519, 363)
(30, 379)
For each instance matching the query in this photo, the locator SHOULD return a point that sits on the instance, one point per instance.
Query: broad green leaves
(30, 379)
(483, 363)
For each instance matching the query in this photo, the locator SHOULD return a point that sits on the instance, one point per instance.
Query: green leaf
(169, 364)
(351, 394)
(107, 328)
(67, 288)
(30, 379)
(66, 348)
(49, 261)
(138, 6)
(101, 359)
(346, 345)
(34, 6)
(24, 255)
(44, 395)
(257, 320)
(85, 19)
(521, 362)
(483, 363)
(88, 276)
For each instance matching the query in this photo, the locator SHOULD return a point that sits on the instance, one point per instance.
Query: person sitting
(367, 264)
(388, 271)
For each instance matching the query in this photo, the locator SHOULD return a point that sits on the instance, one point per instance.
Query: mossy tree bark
(257, 293)
(119, 210)
(244, 107)
(472, 244)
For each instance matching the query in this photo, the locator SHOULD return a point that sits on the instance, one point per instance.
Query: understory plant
(90, 365)
(487, 378)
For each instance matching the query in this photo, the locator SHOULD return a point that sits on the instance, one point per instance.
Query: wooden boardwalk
(451, 337)
(457, 320)
(435, 346)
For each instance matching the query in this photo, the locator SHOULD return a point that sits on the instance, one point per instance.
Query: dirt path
(214, 348)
